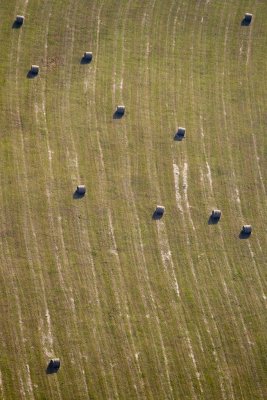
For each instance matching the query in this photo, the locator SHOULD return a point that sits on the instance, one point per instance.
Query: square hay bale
(180, 132)
(88, 56)
(53, 365)
(120, 109)
(248, 18)
(35, 69)
(160, 210)
(19, 19)
(216, 214)
(246, 229)
(81, 189)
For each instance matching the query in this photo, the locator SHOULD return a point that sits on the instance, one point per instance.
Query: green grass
(94, 281)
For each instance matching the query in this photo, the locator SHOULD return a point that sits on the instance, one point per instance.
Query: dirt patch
(53, 62)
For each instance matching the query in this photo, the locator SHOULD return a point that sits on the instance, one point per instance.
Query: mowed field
(135, 308)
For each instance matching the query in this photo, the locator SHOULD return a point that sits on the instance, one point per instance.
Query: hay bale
(180, 132)
(247, 229)
(120, 110)
(216, 214)
(54, 364)
(81, 189)
(19, 19)
(35, 69)
(160, 210)
(248, 17)
(88, 56)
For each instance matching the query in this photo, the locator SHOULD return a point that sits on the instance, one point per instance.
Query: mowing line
(165, 250)
(166, 255)
(75, 175)
(50, 181)
(228, 294)
(29, 382)
(16, 326)
(57, 233)
(256, 157)
(221, 233)
(191, 353)
(140, 248)
(28, 379)
(240, 209)
(238, 200)
(185, 193)
(179, 200)
(178, 197)
(210, 184)
(118, 296)
(250, 105)
(130, 195)
(102, 179)
(249, 42)
(23, 189)
(192, 356)
(111, 230)
(72, 156)
(180, 208)
(185, 186)
(2, 386)
(18, 333)
(23, 164)
(22, 390)
(135, 352)
(163, 244)
(115, 52)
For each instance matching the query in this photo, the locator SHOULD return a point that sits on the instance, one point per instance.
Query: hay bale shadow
(31, 75)
(50, 369)
(76, 195)
(17, 25)
(117, 115)
(53, 366)
(213, 221)
(243, 235)
(177, 137)
(85, 61)
(245, 22)
(156, 215)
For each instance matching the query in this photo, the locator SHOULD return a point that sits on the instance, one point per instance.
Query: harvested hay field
(134, 307)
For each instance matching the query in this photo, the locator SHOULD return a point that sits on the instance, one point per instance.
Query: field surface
(134, 307)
